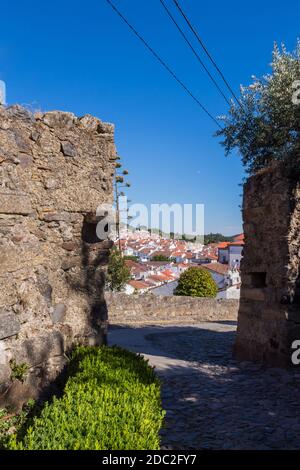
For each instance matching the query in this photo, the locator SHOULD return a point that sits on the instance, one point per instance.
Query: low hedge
(111, 401)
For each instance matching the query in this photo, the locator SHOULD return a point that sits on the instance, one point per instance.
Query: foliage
(196, 282)
(12, 423)
(160, 258)
(18, 371)
(186, 237)
(266, 127)
(117, 271)
(131, 258)
(111, 401)
(216, 238)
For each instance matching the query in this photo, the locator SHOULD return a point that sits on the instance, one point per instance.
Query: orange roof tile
(216, 267)
(156, 277)
(223, 245)
(132, 264)
(138, 284)
(239, 237)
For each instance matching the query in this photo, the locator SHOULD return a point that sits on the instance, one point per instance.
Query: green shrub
(111, 401)
(18, 371)
(196, 282)
(160, 258)
(12, 422)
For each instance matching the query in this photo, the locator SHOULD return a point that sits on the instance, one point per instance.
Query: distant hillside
(216, 237)
(208, 238)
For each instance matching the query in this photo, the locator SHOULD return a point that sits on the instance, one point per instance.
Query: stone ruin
(269, 313)
(55, 169)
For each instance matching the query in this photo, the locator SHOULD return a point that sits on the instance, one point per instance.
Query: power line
(194, 51)
(206, 51)
(161, 61)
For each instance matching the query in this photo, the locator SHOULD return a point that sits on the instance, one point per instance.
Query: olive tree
(266, 126)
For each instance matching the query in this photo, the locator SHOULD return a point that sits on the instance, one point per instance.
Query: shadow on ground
(213, 401)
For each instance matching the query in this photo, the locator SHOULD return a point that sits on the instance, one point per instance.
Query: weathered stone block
(15, 258)
(51, 183)
(38, 349)
(25, 161)
(56, 216)
(34, 136)
(69, 246)
(15, 204)
(68, 149)
(9, 324)
(5, 371)
(59, 312)
(90, 122)
(59, 119)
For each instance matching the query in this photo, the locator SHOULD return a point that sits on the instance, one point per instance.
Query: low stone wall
(152, 309)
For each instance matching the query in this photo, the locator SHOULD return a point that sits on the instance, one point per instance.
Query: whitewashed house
(223, 254)
(235, 254)
(228, 280)
(128, 251)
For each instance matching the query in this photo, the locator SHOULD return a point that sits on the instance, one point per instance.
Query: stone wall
(55, 169)
(152, 309)
(269, 314)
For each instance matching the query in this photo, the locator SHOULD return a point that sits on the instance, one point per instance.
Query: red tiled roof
(132, 264)
(156, 277)
(223, 245)
(177, 253)
(237, 243)
(138, 284)
(239, 237)
(145, 251)
(216, 267)
(168, 272)
(156, 264)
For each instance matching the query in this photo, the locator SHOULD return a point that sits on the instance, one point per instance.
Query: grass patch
(111, 401)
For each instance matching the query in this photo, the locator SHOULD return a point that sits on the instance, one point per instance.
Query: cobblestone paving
(215, 402)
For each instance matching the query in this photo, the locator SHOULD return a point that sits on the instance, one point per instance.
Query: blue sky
(78, 56)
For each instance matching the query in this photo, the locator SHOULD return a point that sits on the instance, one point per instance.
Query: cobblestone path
(213, 401)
